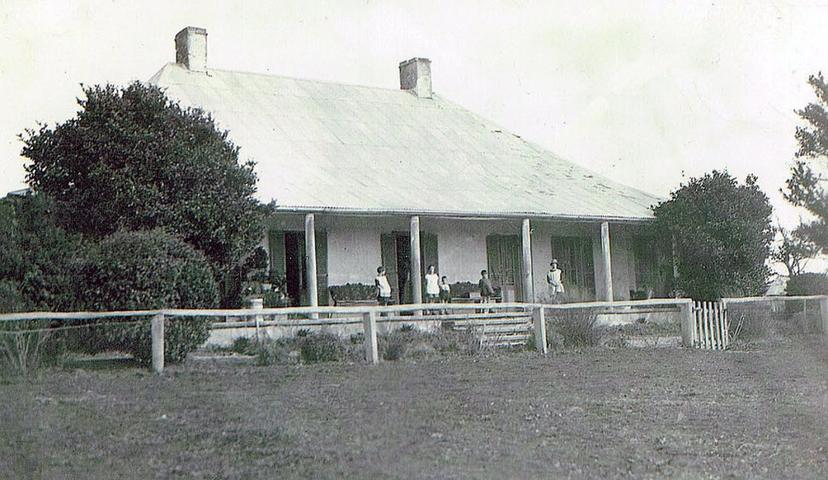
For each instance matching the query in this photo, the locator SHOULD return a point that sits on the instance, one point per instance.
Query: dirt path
(614, 414)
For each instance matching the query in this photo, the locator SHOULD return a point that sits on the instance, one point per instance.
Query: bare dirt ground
(643, 413)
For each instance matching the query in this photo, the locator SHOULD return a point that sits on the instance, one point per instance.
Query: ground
(646, 413)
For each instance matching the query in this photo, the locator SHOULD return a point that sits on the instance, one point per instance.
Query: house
(402, 177)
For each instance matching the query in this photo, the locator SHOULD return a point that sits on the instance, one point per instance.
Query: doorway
(396, 258)
(295, 268)
(504, 254)
(403, 245)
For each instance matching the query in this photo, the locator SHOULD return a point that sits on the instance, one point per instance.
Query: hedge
(148, 270)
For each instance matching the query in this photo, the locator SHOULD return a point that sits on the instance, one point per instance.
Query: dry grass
(651, 413)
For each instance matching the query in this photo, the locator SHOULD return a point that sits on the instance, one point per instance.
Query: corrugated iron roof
(323, 146)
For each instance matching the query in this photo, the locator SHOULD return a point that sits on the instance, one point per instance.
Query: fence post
(823, 314)
(686, 316)
(157, 329)
(369, 325)
(540, 330)
(257, 304)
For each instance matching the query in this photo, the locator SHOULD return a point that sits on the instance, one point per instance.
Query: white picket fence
(710, 329)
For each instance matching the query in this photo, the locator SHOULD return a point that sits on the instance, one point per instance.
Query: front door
(396, 258)
(287, 257)
(505, 270)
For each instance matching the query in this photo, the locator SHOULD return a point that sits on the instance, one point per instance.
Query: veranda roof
(322, 146)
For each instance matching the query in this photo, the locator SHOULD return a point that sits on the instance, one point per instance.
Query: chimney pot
(191, 49)
(415, 76)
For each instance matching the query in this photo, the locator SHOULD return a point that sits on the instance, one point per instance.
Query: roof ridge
(284, 77)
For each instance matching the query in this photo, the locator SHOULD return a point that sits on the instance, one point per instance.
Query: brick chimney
(415, 76)
(191, 49)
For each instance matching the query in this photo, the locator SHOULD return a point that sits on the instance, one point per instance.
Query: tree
(132, 159)
(804, 187)
(722, 233)
(794, 251)
(147, 270)
(39, 261)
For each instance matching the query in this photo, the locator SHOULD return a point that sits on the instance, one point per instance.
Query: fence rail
(696, 331)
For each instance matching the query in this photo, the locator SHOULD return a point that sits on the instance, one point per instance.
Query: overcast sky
(648, 93)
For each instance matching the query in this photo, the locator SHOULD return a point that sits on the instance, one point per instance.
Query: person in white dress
(554, 282)
(383, 287)
(432, 285)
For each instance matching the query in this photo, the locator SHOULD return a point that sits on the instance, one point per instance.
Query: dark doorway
(295, 265)
(404, 267)
(505, 264)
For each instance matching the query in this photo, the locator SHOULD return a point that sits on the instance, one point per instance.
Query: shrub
(807, 284)
(25, 347)
(11, 299)
(463, 289)
(242, 345)
(148, 270)
(574, 328)
(351, 292)
(309, 347)
(412, 343)
(722, 234)
(39, 261)
(321, 347)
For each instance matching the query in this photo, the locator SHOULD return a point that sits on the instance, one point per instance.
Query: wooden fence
(710, 329)
(518, 320)
(713, 325)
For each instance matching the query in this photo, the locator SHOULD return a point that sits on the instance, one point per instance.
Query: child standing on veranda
(383, 287)
(554, 282)
(445, 292)
(432, 283)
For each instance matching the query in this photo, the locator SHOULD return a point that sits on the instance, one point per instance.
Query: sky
(648, 93)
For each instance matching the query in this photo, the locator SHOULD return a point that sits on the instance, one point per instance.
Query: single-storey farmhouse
(368, 176)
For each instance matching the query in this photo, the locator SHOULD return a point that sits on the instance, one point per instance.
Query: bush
(412, 343)
(25, 347)
(807, 284)
(574, 328)
(148, 270)
(11, 299)
(321, 347)
(351, 292)
(307, 347)
(722, 234)
(463, 289)
(39, 262)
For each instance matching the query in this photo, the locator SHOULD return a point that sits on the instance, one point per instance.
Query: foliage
(807, 284)
(413, 343)
(722, 233)
(463, 289)
(132, 159)
(39, 261)
(307, 347)
(148, 270)
(794, 250)
(574, 328)
(803, 187)
(351, 292)
(26, 347)
(11, 300)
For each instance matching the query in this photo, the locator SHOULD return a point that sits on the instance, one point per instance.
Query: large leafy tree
(39, 261)
(132, 159)
(805, 186)
(722, 235)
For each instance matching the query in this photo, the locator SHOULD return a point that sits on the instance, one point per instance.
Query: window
(647, 275)
(574, 256)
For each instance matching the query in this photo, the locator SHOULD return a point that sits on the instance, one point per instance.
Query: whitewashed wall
(354, 250)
